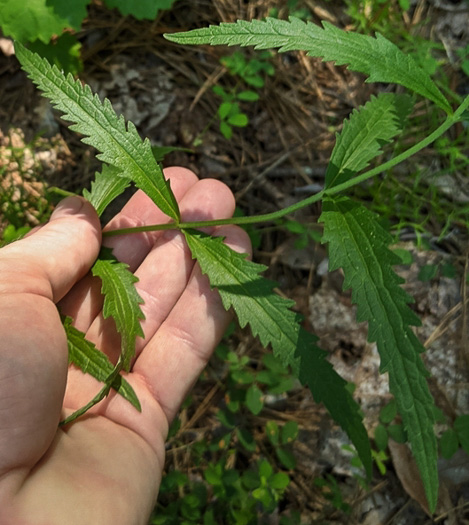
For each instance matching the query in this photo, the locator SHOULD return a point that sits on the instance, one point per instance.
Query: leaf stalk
(269, 217)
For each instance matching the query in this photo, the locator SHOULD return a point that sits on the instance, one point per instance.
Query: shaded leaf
(359, 245)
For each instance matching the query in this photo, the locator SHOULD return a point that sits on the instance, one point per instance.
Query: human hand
(106, 467)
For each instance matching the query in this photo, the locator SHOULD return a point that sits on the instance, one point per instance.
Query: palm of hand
(108, 464)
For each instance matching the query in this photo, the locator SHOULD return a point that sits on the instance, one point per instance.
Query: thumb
(53, 258)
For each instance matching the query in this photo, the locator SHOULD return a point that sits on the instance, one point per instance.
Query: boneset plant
(357, 242)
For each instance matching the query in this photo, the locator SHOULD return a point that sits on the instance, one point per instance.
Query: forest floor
(277, 159)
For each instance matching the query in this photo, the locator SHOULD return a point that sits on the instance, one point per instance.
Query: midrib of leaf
(359, 246)
(270, 317)
(377, 57)
(118, 146)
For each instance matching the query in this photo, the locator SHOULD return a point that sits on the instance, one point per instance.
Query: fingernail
(69, 206)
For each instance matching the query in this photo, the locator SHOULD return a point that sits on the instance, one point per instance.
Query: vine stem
(268, 217)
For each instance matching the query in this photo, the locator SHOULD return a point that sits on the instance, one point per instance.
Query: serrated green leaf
(364, 133)
(359, 245)
(28, 20)
(119, 144)
(121, 301)
(84, 354)
(105, 188)
(140, 9)
(271, 319)
(377, 57)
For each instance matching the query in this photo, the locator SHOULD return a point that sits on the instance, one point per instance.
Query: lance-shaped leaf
(359, 246)
(84, 354)
(121, 301)
(119, 144)
(377, 57)
(364, 133)
(270, 317)
(106, 186)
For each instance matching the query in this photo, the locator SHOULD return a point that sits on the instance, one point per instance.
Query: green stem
(267, 217)
(98, 397)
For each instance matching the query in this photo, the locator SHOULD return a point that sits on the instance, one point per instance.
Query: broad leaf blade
(364, 133)
(270, 317)
(121, 301)
(359, 245)
(119, 145)
(27, 20)
(105, 188)
(84, 354)
(376, 57)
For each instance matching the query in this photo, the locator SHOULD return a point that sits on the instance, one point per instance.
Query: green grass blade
(119, 144)
(364, 133)
(377, 57)
(105, 188)
(121, 301)
(270, 317)
(359, 245)
(84, 354)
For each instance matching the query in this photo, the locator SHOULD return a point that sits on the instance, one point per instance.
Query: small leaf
(449, 443)
(364, 134)
(461, 426)
(246, 439)
(90, 360)
(377, 57)
(427, 272)
(119, 144)
(121, 301)
(225, 109)
(272, 431)
(105, 188)
(240, 120)
(279, 481)
(381, 437)
(247, 96)
(254, 399)
(226, 130)
(388, 412)
(289, 432)
(286, 457)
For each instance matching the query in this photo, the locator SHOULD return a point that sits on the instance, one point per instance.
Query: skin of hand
(106, 467)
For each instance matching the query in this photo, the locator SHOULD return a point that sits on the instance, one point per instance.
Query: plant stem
(98, 397)
(267, 217)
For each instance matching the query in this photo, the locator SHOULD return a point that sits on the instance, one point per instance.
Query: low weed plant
(356, 240)
(48, 27)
